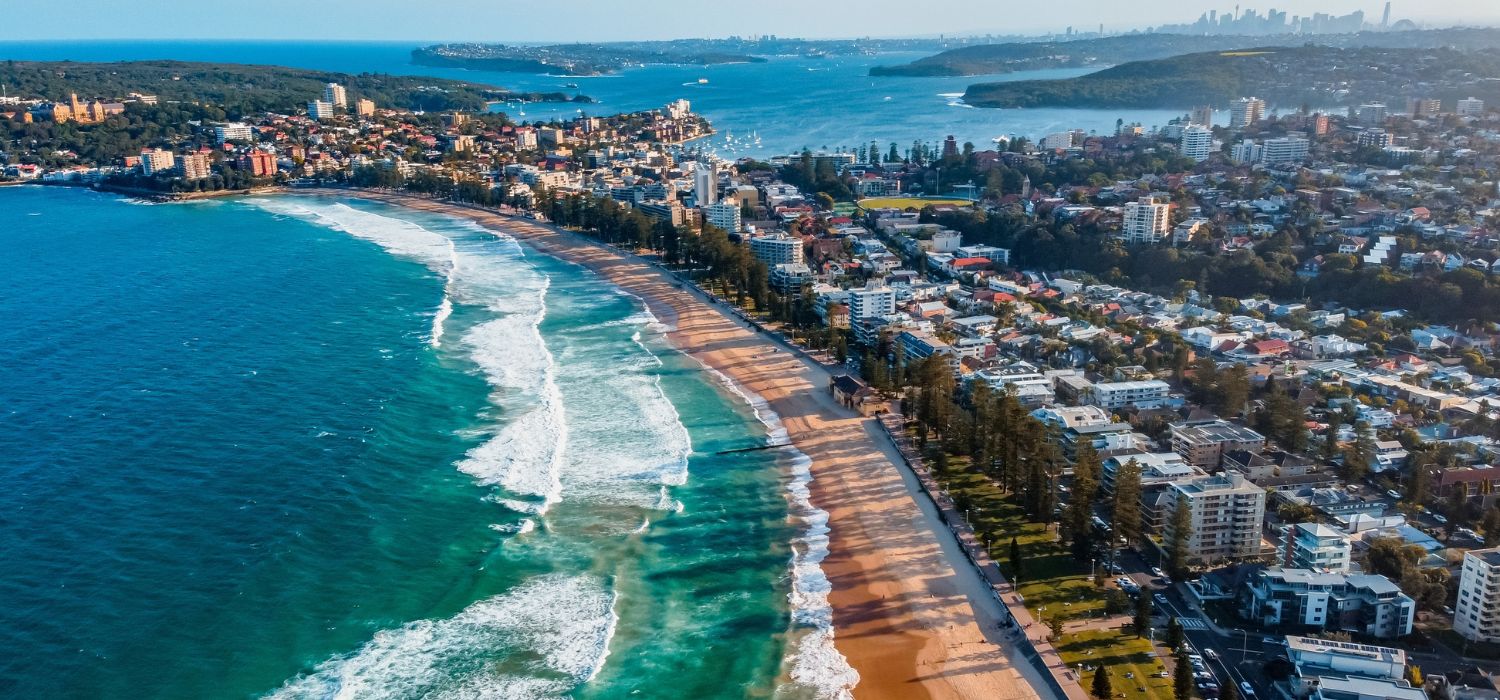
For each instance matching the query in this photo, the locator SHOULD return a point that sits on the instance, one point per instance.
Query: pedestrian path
(1192, 623)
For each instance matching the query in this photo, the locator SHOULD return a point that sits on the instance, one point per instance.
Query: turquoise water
(790, 103)
(309, 448)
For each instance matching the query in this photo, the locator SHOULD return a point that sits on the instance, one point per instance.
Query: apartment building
(232, 132)
(157, 160)
(723, 215)
(334, 94)
(1225, 514)
(1204, 442)
(1477, 614)
(1146, 221)
(777, 250)
(1246, 111)
(193, 166)
(1287, 149)
(1365, 604)
(1197, 142)
(1115, 395)
(320, 110)
(1316, 546)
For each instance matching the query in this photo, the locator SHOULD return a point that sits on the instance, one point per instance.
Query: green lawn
(1056, 583)
(1123, 654)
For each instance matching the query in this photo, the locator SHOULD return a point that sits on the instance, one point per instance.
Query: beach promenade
(911, 615)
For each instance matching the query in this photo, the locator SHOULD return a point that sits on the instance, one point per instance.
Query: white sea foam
(550, 635)
(524, 454)
(815, 663)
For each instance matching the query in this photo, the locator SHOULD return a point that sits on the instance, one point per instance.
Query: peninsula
(242, 88)
(1314, 75)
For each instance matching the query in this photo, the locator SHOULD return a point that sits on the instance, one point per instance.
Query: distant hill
(994, 59)
(1319, 76)
(245, 88)
(575, 59)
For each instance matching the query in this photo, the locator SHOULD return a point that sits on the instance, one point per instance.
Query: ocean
(759, 109)
(298, 447)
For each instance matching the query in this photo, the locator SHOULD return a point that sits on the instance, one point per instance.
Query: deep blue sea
(789, 103)
(310, 448)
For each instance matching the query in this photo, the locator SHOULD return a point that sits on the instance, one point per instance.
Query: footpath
(1025, 630)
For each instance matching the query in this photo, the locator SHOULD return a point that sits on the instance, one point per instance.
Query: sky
(604, 20)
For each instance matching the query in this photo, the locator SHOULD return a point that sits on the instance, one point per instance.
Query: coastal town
(1219, 398)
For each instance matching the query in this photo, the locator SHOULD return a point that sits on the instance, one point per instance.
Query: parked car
(1160, 599)
(1439, 517)
(1210, 653)
(1393, 493)
(1157, 572)
(1246, 689)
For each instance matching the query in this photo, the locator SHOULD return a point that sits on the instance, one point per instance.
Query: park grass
(1055, 584)
(909, 202)
(1052, 581)
(1123, 653)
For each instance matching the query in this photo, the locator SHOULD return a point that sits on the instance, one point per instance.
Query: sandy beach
(910, 614)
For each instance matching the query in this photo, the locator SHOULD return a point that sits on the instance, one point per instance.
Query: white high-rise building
(320, 110)
(1476, 616)
(1059, 140)
(1146, 221)
(1287, 149)
(1470, 107)
(157, 160)
(706, 184)
(1226, 512)
(777, 250)
(1246, 111)
(1197, 142)
(871, 302)
(334, 94)
(1371, 114)
(724, 215)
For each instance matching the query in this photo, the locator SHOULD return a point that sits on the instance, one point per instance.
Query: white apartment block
(232, 132)
(320, 109)
(157, 160)
(1477, 615)
(871, 302)
(1470, 107)
(1366, 604)
(777, 250)
(1287, 149)
(1114, 395)
(1146, 221)
(1316, 546)
(1197, 142)
(724, 215)
(706, 185)
(1225, 513)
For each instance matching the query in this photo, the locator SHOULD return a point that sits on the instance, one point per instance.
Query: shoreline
(910, 615)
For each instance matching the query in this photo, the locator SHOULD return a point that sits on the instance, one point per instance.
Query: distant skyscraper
(334, 94)
(1246, 111)
(1385, 19)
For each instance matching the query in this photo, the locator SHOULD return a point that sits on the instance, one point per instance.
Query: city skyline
(655, 19)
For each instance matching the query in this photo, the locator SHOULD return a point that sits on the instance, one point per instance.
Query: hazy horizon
(599, 21)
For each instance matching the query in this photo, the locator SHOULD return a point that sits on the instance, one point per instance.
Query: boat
(703, 81)
(570, 86)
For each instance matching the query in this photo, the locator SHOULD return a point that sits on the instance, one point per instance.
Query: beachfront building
(1365, 604)
(1331, 670)
(193, 166)
(1225, 516)
(917, 345)
(157, 160)
(1476, 616)
(706, 185)
(777, 250)
(1316, 546)
(1146, 221)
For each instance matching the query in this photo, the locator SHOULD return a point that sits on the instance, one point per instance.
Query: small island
(250, 89)
(1308, 75)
